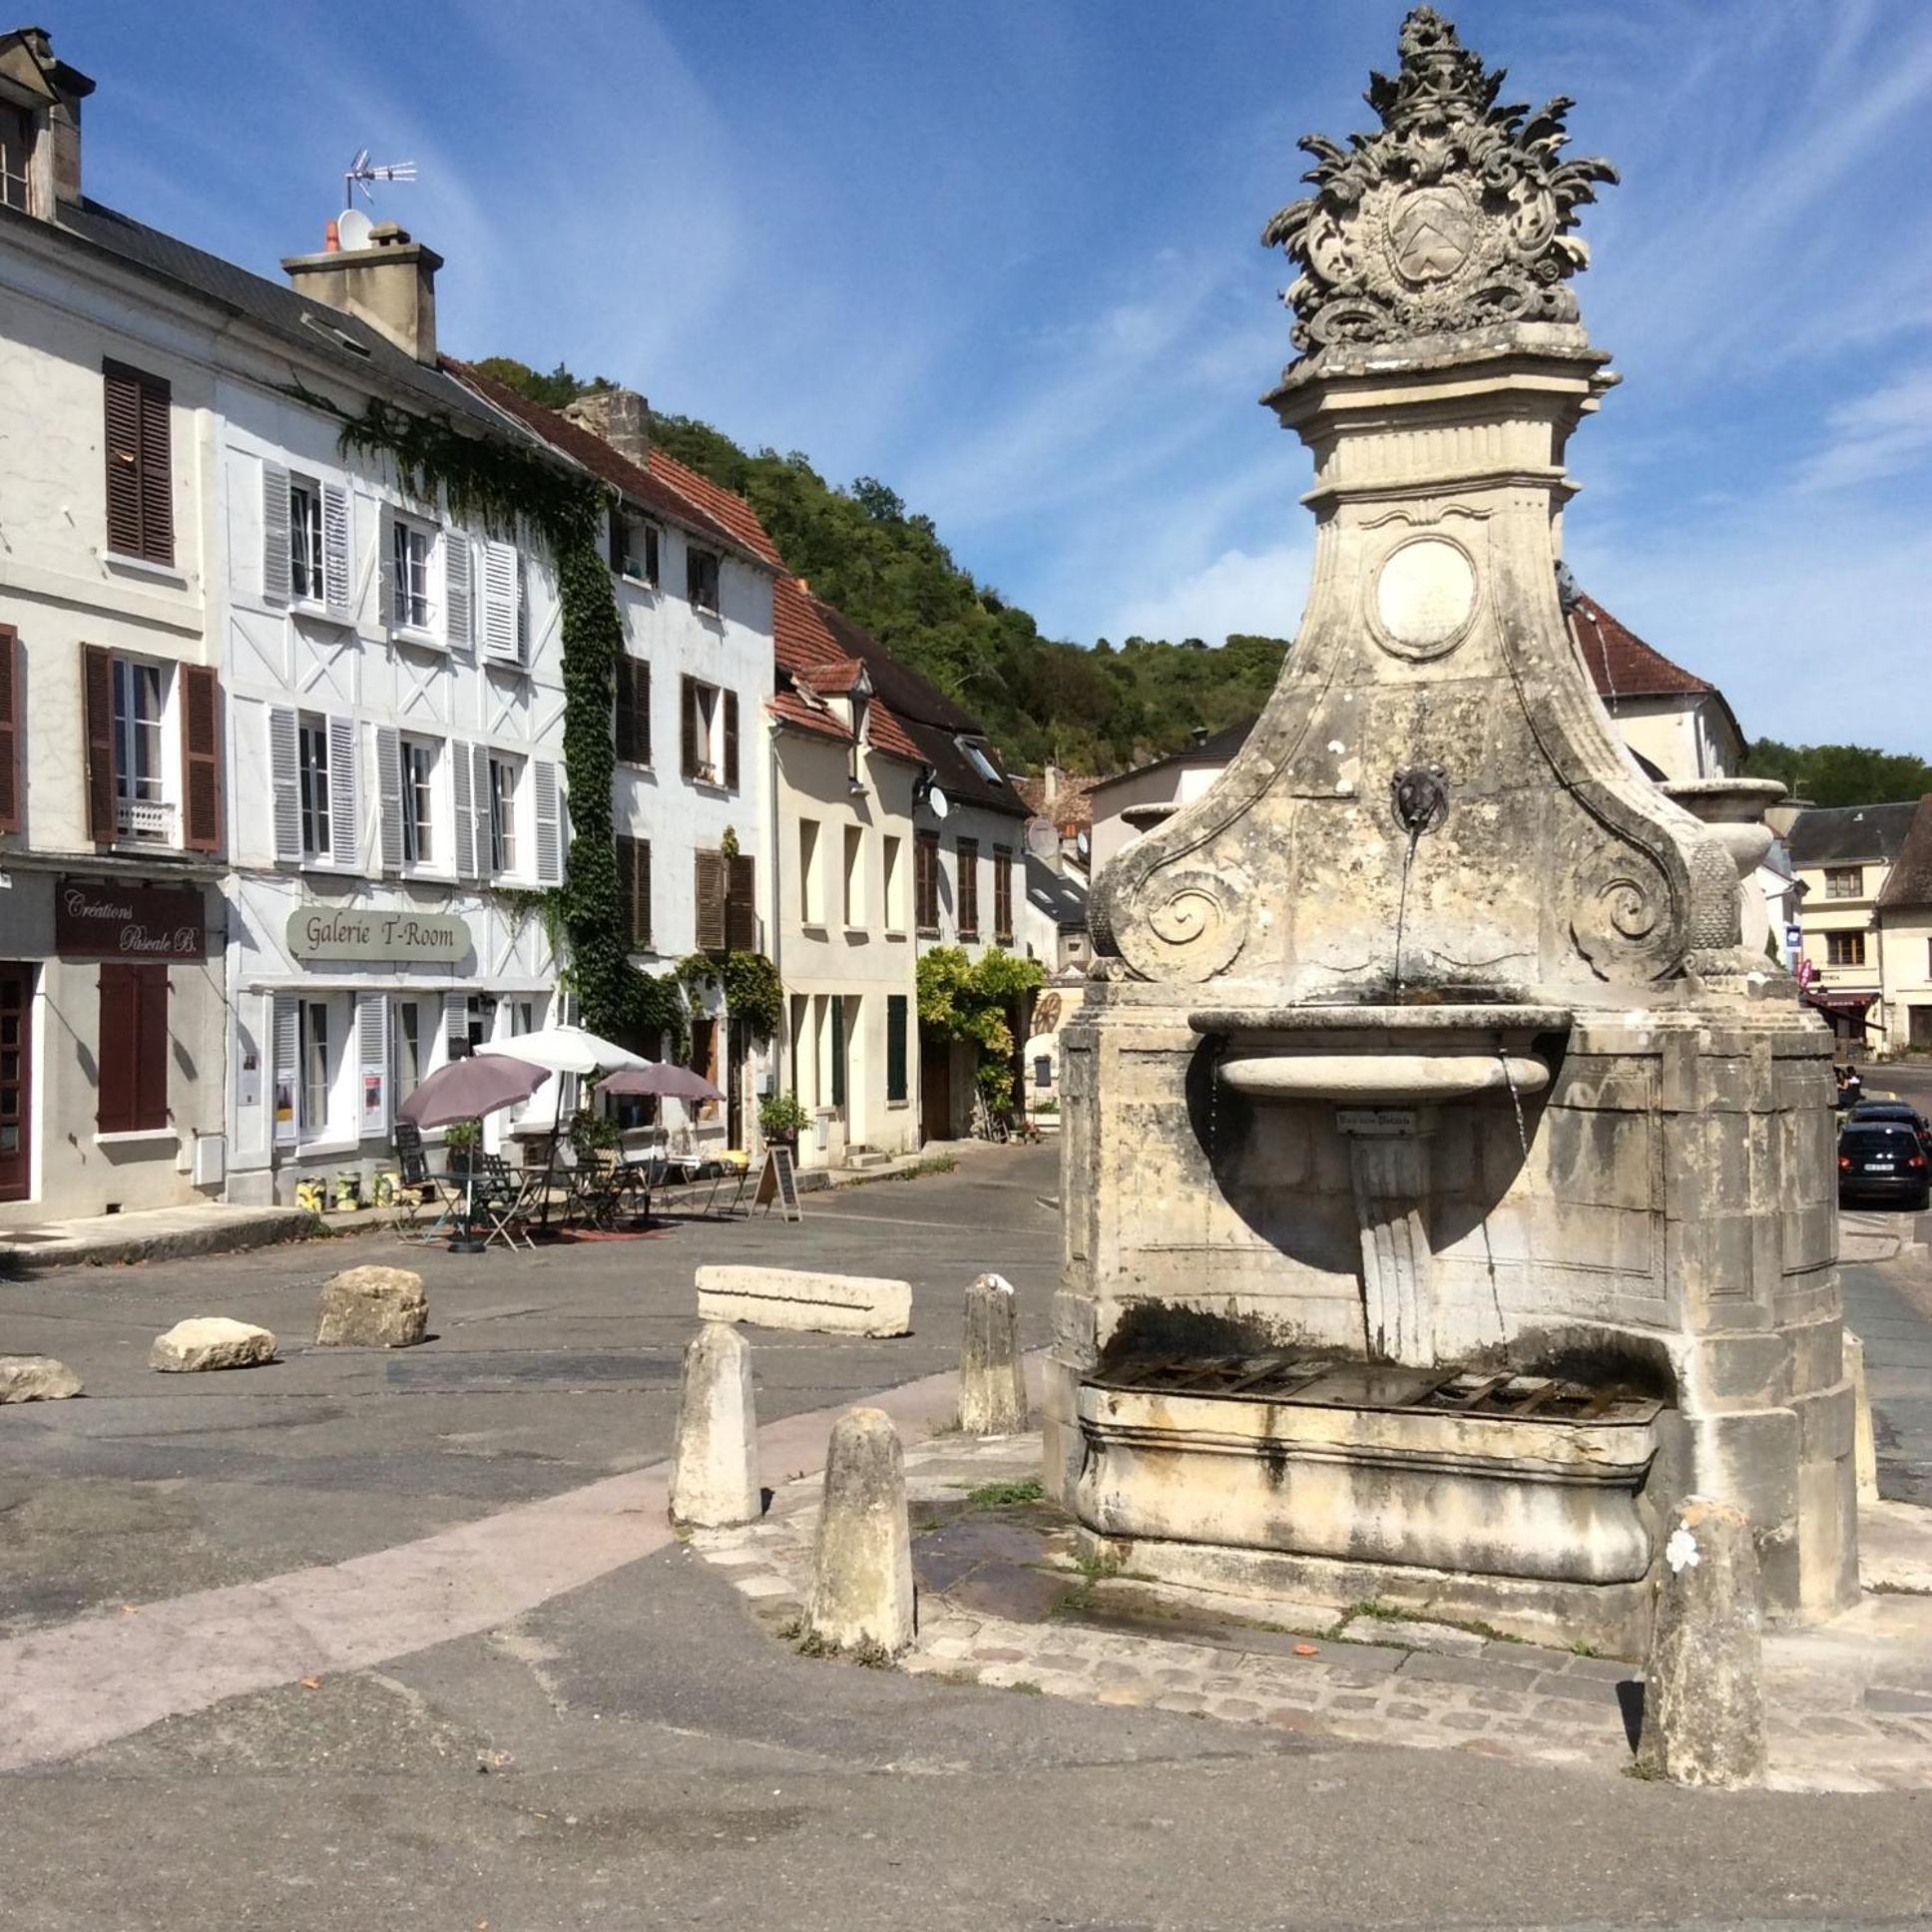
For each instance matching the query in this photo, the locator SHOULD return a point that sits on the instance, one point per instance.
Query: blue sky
(1004, 256)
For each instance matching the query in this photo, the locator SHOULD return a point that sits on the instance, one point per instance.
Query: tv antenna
(363, 173)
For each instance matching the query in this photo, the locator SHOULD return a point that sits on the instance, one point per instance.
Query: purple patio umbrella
(663, 1079)
(469, 1087)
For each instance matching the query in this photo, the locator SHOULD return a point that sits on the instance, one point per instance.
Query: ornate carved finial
(1456, 215)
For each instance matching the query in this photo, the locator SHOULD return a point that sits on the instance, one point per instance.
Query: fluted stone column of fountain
(1447, 1179)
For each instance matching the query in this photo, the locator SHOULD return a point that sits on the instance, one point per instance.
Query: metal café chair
(414, 1224)
(501, 1201)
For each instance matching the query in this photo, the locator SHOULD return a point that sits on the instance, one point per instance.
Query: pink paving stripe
(66, 1690)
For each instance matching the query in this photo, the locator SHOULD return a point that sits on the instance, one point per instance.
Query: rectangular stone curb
(797, 1298)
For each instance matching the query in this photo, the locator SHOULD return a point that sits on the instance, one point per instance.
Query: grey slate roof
(1835, 834)
(1054, 893)
(1217, 748)
(271, 306)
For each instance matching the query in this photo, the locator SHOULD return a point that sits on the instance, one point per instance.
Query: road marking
(893, 1220)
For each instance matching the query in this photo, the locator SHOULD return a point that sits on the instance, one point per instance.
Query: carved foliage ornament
(1456, 215)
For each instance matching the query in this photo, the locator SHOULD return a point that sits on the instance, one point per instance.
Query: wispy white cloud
(1259, 591)
(1877, 435)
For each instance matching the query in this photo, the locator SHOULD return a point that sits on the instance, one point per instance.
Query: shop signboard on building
(378, 935)
(112, 921)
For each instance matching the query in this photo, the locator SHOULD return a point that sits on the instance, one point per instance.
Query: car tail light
(1844, 1160)
(1915, 1161)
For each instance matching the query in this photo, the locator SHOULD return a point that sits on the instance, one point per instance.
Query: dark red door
(16, 1081)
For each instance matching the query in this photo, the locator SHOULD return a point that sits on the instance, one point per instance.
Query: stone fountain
(1448, 1188)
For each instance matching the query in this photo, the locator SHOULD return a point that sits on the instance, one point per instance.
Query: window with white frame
(312, 764)
(319, 1048)
(306, 580)
(505, 779)
(409, 567)
(141, 804)
(408, 1046)
(420, 800)
(634, 542)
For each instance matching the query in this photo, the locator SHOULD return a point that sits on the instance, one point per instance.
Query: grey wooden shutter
(483, 793)
(550, 838)
(457, 617)
(345, 818)
(286, 1072)
(464, 813)
(338, 562)
(385, 564)
(274, 533)
(388, 772)
(284, 781)
(500, 601)
(372, 1056)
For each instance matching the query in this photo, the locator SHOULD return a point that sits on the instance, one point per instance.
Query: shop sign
(129, 921)
(377, 937)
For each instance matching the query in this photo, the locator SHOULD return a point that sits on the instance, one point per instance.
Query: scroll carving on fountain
(1422, 1051)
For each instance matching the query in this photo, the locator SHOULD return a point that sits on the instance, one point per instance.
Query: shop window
(318, 1050)
(133, 1048)
(410, 1046)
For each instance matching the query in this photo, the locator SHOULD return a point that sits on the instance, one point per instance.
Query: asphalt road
(640, 1751)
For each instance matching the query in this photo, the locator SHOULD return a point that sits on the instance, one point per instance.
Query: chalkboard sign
(778, 1181)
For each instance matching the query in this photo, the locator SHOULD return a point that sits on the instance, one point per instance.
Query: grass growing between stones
(992, 1496)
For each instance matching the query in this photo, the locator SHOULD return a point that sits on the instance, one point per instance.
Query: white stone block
(210, 1341)
(833, 1304)
(36, 1378)
(715, 1465)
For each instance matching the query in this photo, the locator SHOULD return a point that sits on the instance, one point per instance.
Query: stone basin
(1372, 1055)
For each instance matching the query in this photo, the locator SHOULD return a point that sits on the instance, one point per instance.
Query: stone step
(864, 1156)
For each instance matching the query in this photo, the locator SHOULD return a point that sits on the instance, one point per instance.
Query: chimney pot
(390, 285)
(621, 417)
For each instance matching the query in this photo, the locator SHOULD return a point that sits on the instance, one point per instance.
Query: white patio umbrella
(564, 1050)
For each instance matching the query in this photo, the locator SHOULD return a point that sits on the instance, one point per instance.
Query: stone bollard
(372, 1308)
(714, 1466)
(992, 1383)
(1864, 1445)
(861, 1572)
(1703, 1692)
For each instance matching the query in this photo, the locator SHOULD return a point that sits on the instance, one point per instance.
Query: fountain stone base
(1518, 1501)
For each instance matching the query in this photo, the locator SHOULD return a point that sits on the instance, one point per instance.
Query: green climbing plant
(965, 999)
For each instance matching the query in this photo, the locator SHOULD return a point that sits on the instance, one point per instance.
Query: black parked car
(1901, 1110)
(1883, 1162)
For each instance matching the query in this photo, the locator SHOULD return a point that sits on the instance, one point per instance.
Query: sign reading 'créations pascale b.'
(394, 938)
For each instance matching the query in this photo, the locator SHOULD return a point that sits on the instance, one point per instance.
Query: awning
(1852, 1003)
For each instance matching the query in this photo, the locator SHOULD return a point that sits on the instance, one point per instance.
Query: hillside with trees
(1840, 775)
(862, 548)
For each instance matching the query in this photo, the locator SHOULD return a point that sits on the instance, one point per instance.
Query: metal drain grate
(1378, 1385)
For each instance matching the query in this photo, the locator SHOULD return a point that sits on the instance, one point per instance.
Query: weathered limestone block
(1864, 1444)
(861, 1581)
(36, 1378)
(1703, 1694)
(714, 1466)
(992, 1381)
(210, 1341)
(373, 1307)
(834, 1304)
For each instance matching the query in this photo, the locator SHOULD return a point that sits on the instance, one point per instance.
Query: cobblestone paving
(1003, 1602)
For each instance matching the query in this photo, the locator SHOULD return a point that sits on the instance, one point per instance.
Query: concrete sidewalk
(152, 1234)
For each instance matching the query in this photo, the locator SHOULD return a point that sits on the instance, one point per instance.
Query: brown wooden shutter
(9, 729)
(116, 1042)
(621, 716)
(711, 886)
(730, 741)
(200, 759)
(967, 860)
(157, 474)
(641, 892)
(97, 697)
(742, 905)
(689, 707)
(150, 1045)
(122, 389)
(620, 557)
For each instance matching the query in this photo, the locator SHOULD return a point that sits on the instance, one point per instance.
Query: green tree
(1840, 775)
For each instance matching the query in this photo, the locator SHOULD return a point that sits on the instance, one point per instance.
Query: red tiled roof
(667, 486)
(809, 655)
(1621, 664)
(1072, 809)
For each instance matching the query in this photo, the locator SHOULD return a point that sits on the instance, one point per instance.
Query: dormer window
(977, 759)
(16, 159)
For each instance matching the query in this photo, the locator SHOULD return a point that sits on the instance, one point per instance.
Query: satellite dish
(355, 229)
(1043, 838)
(937, 800)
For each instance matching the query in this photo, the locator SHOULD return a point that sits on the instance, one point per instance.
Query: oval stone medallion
(1424, 596)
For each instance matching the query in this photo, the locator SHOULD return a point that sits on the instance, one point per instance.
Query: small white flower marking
(1680, 1553)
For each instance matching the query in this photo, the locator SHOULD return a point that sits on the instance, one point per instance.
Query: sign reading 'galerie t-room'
(391, 938)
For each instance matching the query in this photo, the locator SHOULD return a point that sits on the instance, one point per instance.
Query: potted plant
(780, 1119)
(462, 1139)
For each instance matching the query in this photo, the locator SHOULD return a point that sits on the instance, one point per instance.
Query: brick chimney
(621, 417)
(47, 94)
(390, 285)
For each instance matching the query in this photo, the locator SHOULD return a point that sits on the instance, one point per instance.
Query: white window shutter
(550, 840)
(388, 771)
(385, 564)
(372, 1054)
(482, 791)
(462, 809)
(456, 1026)
(274, 533)
(344, 815)
(523, 611)
(500, 601)
(339, 561)
(456, 589)
(284, 781)
(286, 1073)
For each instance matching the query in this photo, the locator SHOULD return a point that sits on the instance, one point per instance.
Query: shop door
(16, 1081)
